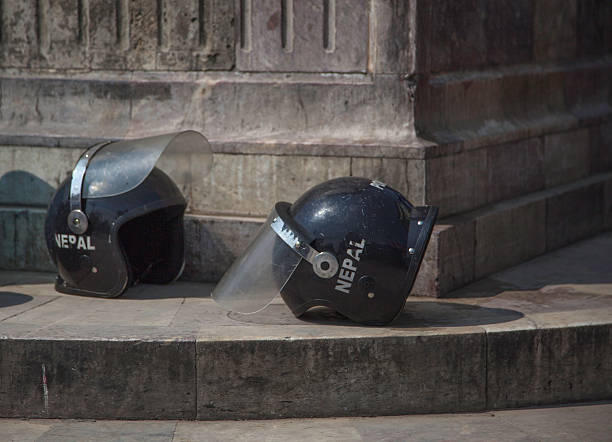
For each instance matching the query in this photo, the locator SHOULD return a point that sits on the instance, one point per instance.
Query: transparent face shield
(267, 264)
(120, 167)
(109, 169)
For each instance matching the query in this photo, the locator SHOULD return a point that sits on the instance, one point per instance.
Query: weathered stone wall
(495, 111)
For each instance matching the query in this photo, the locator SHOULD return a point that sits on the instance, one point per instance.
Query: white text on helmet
(378, 184)
(349, 267)
(67, 241)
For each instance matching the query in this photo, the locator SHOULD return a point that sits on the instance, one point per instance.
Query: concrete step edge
(264, 378)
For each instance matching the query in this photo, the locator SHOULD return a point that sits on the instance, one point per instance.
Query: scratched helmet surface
(351, 244)
(118, 220)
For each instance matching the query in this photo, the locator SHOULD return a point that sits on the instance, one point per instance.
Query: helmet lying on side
(351, 244)
(118, 220)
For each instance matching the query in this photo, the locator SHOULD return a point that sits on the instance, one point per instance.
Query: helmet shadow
(9, 299)
(24, 189)
(416, 314)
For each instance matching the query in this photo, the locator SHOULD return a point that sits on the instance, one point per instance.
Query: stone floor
(571, 286)
(584, 422)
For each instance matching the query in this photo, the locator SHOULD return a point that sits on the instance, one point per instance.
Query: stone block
(415, 171)
(449, 260)
(574, 213)
(19, 39)
(224, 191)
(104, 34)
(392, 171)
(22, 240)
(31, 252)
(450, 35)
(405, 176)
(339, 377)
(393, 46)
(304, 36)
(554, 30)
(584, 91)
(66, 106)
(456, 183)
(515, 169)
(601, 147)
(297, 107)
(96, 378)
(62, 27)
(88, 429)
(212, 244)
(463, 35)
(251, 184)
(126, 37)
(548, 366)
(508, 235)
(196, 35)
(530, 96)
(450, 108)
(593, 34)
(607, 205)
(508, 31)
(567, 157)
(490, 107)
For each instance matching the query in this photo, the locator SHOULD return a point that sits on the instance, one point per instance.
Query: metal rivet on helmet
(77, 222)
(325, 265)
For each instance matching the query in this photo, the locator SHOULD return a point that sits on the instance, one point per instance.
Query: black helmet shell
(131, 237)
(378, 238)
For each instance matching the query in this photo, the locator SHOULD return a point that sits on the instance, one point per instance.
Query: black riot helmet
(351, 244)
(118, 220)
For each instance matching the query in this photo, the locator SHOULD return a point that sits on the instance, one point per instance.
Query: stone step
(248, 177)
(467, 247)
(462, 249)
(537, 334)
(223, 105)
(472, 108)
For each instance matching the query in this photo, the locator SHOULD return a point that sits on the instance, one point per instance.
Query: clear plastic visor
(121, 166)
(259, 274)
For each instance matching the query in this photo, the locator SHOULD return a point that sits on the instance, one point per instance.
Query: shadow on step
(417, 314)
(8, 299)
(24, 189)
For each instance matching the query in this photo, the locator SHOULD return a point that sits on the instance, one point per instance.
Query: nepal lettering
(67, 241)
(349, 266)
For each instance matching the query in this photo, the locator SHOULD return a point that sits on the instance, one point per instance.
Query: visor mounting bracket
(324, 264)
(77, 220)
